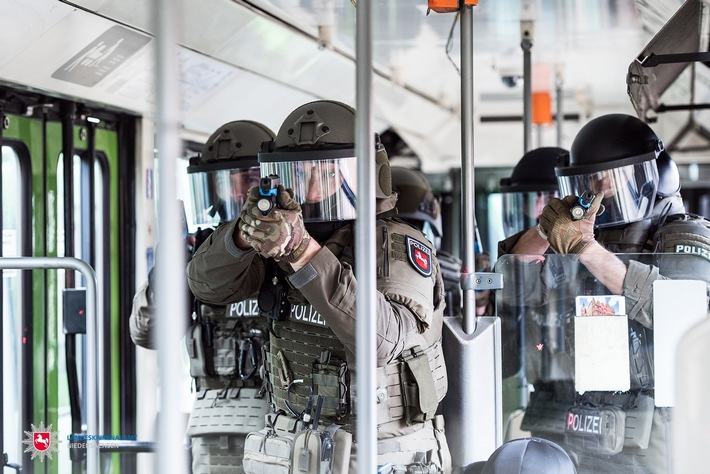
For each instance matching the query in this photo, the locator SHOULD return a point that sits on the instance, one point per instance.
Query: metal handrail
(92, 376)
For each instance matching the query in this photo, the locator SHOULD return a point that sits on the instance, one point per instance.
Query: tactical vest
(224, 344)
(305, 360)
(627, 417)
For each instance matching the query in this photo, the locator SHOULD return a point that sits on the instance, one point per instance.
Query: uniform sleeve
(141, 322)
(221, 273)
(638, 291)
(330, 286)
(505, 246)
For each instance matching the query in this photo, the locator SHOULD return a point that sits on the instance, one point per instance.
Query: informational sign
(601, 340)
(102, 56)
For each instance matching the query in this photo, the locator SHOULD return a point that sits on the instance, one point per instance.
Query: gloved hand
(280, 234)
(564, 234)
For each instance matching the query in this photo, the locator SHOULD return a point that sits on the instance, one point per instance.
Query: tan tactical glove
(281, 233)
(564, 234)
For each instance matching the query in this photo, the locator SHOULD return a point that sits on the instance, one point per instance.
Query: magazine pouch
(596, 430)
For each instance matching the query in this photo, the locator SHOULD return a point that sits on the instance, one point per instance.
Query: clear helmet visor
(218, 195)
(325, 189)
(521, 209)
(629, 191)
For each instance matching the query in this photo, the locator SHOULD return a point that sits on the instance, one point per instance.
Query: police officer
(223, 342)
(525, 193)
(420, 206)
(529, 188)
(621, 160)
(300, 257)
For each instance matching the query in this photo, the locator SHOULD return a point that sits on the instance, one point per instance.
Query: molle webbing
(225, 383)
(227, 412)
(631, 239)
(315, 355)
(390, 402)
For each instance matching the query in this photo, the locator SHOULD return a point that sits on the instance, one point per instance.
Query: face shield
(521, 209)
(629, 190)
(325, 188)
(219, 194)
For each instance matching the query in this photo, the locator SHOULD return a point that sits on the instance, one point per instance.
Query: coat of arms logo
(41, 441)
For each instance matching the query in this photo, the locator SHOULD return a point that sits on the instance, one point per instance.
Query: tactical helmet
(222, 174)
(529, 188)
(314, 154)
(528, 455)
(614, 154)
(668, 176)
(416, 202)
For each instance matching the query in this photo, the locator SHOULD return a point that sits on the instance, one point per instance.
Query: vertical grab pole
(92, 336)
(468, 204)
(365, 246)
(170, 261)
(526, 45)
(560, 118)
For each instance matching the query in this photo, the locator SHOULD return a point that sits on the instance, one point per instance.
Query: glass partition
(590, 370)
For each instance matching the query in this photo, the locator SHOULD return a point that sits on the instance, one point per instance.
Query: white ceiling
(260, 59)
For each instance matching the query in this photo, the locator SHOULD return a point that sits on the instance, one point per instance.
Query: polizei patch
(419, 256)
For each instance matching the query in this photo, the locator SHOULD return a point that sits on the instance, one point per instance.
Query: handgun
(583, 202)
(268, 192)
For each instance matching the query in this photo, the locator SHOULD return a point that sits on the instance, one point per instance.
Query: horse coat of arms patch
(419, 256)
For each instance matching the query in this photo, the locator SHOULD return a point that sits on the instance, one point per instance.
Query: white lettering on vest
(243, 309)
(307, 314)
(584, 423)
(692, 249)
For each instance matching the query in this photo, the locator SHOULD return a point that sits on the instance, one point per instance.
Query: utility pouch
(195, 349)
(224, 349)
(547, 410)
(638, 423)
(640, 356)
(329, 380)
(265, 452)
(418, 389)
(596, 430)
(273, 296)
(313, 452)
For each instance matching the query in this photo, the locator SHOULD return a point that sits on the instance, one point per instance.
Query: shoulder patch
(419, 256)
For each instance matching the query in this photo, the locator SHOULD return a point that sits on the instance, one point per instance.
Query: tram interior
(257, 60)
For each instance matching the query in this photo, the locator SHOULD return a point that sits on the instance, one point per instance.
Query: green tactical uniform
(224, 347)
(315, 345)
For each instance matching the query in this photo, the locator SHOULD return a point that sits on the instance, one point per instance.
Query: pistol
(268, 192)
(579, 210)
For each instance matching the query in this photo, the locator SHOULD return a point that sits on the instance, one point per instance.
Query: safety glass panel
(590, 370)
(218, 196)
(325, 189)
(629, 191)
(521, 210)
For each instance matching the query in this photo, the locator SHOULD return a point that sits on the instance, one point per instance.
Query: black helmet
(529, 188)
(614, 154)
(668, 176)
(529, 455)
(416, 202)
(314, 154)
(222, 174)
